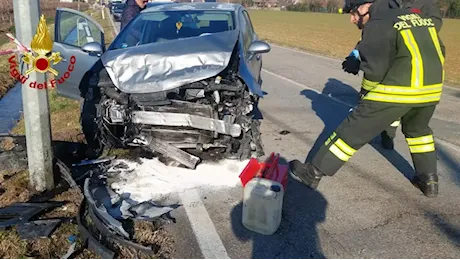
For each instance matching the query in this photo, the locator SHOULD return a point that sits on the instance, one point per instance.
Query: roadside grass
(333, 35)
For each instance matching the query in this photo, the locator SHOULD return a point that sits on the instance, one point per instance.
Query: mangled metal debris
(21, 213)
(89, 238)
(171, 151)
(106, 212)
(102, 213)
(161, 66)
(100, 160)
(109, 212)
(38, 228)
(178, 119)
(66, 173)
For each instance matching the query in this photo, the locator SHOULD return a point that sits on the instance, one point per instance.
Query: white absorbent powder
(153, 180)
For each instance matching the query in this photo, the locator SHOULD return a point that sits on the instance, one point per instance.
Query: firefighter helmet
(351, 5)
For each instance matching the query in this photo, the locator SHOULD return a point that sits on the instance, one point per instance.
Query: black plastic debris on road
(38, 228)
(284, 132)
(21, 213)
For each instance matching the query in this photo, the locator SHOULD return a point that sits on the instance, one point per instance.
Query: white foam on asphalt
(153, 180)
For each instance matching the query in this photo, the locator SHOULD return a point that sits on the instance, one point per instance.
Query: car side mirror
(93, 48)
(258, 47)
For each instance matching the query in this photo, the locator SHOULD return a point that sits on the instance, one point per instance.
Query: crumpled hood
(167, 65)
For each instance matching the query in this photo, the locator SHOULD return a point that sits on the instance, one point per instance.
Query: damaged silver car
(183, 80)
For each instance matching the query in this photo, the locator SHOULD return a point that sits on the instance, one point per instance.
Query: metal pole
(78, 5)
(35, 103)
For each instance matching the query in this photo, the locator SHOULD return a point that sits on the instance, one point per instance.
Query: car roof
(158, 3)
(193, 6)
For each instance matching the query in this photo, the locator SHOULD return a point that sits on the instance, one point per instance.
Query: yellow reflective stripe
(402, 90)
(330, 138)
(337, 152)
(437, 45)
(422, 144)
(395, 123)
(434, 37)
(368, 85)
(424, 148)
(426, 139)
(341, 150)
(403, 99)
(417, 62)
(345, 147)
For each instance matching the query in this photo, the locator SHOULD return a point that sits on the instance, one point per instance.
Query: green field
(333, 35)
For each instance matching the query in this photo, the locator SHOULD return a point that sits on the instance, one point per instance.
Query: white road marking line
(206, 234)
(115, 29)
(302, 86)
(328, 58)
(305, 52)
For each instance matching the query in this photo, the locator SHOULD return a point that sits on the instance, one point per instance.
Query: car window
(247, 32)
(76, 30)
(163, 26)
(249, 23)
(119, 7)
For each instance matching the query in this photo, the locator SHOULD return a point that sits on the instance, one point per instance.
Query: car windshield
(157, 4)
(163, 26)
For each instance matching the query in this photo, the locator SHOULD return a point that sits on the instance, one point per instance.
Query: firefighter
(351, 64)
(403, 70)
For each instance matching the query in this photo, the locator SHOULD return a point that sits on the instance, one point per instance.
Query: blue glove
(355, 53)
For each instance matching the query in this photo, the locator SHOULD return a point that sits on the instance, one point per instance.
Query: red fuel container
(270, 169)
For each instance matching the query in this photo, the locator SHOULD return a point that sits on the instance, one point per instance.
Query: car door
(253, 62)
(72, 30)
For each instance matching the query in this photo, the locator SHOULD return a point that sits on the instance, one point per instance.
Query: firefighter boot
(306, 172)
(427, 183)
(387, 141)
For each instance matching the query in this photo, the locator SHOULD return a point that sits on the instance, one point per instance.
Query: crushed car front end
(186, 99)
(204, 108)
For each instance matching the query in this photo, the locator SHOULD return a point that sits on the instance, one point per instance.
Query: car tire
(89, 115)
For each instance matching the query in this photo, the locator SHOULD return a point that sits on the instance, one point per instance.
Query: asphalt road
(368, 210)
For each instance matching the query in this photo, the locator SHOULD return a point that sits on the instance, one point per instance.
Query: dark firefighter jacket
(130, 11)
(402, 58)
(428, 8)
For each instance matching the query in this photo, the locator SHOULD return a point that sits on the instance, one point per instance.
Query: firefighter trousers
(368, 120)
(390, 131)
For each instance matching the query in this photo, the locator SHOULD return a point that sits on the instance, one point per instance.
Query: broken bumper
(179, 119)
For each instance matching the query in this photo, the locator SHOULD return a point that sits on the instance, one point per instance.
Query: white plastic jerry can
(262, 205)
